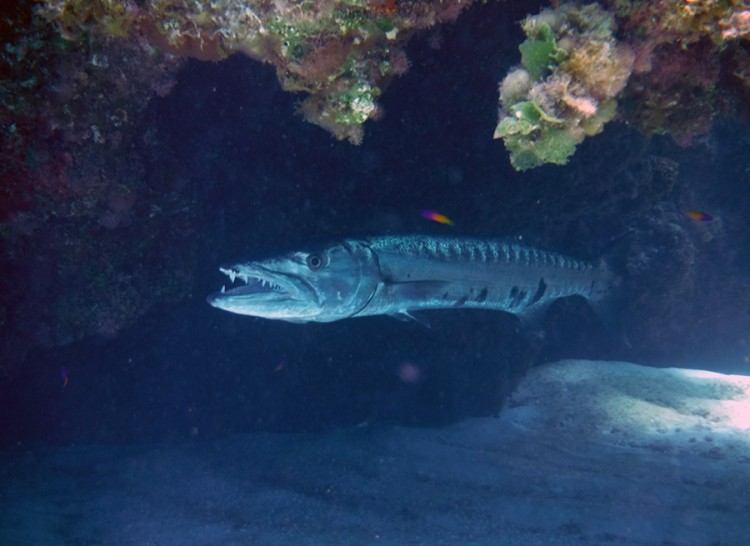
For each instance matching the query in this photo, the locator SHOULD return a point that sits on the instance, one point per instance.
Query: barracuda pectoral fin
(412, 291)
(406, 316)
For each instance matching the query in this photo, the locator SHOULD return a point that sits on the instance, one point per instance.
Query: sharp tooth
(228, 272)
(223, 288)
(232, 275)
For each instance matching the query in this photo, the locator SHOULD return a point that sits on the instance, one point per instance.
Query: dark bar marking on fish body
(541, 289)
(521, 298)
(516, 296)
(462, 301)
(513, 293)
(482, 297)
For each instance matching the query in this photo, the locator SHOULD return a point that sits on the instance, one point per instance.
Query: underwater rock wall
(98, 225)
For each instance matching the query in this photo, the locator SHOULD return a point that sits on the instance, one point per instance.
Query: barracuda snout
(321, 285)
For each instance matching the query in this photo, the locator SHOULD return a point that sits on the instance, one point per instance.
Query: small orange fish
(699, 216)
(436, 217)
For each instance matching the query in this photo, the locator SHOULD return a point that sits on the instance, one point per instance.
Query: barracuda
(395, 275)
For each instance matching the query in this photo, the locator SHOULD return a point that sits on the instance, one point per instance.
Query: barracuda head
(322, 286)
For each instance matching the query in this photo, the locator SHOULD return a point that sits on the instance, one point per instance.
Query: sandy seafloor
(585, 453)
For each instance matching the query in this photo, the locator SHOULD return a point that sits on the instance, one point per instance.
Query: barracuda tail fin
(608, 305)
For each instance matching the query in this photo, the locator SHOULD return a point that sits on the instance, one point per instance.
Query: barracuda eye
(315, 261)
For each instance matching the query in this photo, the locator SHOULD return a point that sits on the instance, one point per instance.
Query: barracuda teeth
(223, 288)
(228, 272)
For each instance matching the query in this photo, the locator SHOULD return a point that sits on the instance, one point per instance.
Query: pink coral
(586, 106)
(737, 25)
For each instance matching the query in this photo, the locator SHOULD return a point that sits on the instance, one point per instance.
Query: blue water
(195, 426)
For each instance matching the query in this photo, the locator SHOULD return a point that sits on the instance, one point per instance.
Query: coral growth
(342, 53)
(682, 60)
(683, 48)
(683, 21)
(678, 94)
(572, 71)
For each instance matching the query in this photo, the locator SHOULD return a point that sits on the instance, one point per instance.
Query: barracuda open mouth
(245, 284)
(257, 282)
(258, 290)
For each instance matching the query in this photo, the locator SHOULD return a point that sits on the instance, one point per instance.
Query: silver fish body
(395, 275)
